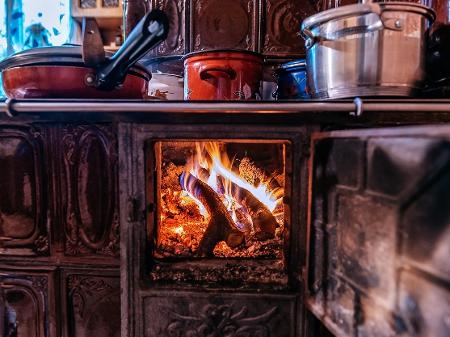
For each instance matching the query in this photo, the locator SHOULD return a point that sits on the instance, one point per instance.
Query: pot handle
(308, 24)
(311, 38)
(148, 33)
(227, 71)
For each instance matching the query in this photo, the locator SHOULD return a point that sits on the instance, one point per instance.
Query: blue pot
(291, 80)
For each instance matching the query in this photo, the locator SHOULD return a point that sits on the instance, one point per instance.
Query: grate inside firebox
(220, 199)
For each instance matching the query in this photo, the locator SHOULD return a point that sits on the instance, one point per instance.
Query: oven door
(379, 231)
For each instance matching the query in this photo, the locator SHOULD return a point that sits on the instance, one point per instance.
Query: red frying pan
(63, 72)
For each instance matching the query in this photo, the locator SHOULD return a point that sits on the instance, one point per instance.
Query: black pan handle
(148, 33)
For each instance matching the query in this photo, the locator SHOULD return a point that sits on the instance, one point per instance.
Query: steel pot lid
(362, 9)
(299, 64)
(161, 59)
(65, 55)
(166, 75)
(339, 13)
(171, 64)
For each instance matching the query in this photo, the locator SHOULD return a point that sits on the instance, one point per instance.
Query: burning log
(264, 223)
(220, 227)
(254, 175)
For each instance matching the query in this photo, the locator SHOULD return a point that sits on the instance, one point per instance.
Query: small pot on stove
(292, 81)
(223, 75)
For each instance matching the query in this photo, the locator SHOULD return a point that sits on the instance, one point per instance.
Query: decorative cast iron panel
(27, 307)
(197, 314)
(90, 204)
(282, 26)
(218, 24)
(93, 305)
(380, 206)
(22, 192)
(176, 11)
(271, 27)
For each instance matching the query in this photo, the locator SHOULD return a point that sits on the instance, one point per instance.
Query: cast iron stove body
(236, 219)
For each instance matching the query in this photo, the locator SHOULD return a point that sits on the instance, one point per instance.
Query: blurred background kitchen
(28, 24)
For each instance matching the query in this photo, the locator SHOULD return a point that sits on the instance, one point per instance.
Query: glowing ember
(178, 230)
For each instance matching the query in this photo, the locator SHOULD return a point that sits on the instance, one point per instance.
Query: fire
(186, 195)
(221, 199)
(214, 168)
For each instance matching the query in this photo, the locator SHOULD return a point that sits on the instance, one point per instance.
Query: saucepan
(291, 81)
(70, 72)
(223, 75)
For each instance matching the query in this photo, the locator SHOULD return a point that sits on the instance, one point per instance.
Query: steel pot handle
(311, 38)
(148, 33)
(341, 13)
(228, 71)
(338, 13)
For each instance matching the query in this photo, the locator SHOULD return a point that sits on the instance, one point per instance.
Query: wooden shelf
(98, 12)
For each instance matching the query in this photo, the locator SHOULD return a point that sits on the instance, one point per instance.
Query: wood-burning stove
(360, 249)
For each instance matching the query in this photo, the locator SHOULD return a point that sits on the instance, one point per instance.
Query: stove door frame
(154, 189)
(136, 286)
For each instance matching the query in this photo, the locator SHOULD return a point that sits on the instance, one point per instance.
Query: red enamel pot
(61, 72)
(223, 75)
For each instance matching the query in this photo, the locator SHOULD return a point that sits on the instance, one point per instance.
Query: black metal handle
(148, 33)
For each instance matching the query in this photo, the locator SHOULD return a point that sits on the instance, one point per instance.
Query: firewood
(264, 223)
(220, 227)
(254, 174)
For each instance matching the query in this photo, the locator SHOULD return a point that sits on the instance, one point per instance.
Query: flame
(215, 168)
(187, 194)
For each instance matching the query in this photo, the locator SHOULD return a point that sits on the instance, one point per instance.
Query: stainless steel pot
(367, 49)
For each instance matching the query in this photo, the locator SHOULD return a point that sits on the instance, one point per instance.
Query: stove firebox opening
(220, 199)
